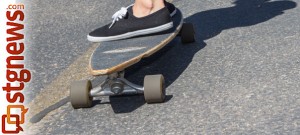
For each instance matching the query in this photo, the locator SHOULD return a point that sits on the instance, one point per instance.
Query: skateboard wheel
(154, 89)
(79, 94)
(187, 33)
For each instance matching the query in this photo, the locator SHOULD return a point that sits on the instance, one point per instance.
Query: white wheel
(154, 89)
(79, 94)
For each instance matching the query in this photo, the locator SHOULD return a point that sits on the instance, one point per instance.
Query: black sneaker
(126, 25)
(171, 8)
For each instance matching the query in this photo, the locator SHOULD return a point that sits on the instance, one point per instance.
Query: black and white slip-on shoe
(172, 9)
(126, 25)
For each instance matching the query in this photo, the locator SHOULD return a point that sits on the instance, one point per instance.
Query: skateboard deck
(114, 56)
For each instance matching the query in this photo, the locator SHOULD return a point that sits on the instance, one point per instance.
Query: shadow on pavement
(38, 117)
(173, 59)
(245, 13)
(127, 104)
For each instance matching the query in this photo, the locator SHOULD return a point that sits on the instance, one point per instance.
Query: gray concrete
(240, 77)
(56, 34)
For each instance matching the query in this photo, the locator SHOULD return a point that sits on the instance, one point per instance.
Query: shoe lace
(119, 15)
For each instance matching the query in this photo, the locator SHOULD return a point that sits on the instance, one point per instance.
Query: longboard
(114, 56)
(111, 59)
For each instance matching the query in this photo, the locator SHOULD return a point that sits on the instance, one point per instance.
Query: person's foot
(126, 25)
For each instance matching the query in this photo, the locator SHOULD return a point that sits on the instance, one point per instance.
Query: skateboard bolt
(117, 87)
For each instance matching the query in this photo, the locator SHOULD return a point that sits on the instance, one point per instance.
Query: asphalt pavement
(241, 76)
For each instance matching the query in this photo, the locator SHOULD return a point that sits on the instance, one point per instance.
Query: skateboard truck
(115, 84)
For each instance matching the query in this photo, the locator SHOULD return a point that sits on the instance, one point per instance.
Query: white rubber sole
(132, 34)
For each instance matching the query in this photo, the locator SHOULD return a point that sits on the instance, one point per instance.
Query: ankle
(139, 11)
(143, 8)
(157, 5)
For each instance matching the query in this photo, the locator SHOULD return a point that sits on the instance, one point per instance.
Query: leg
(143, 8)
